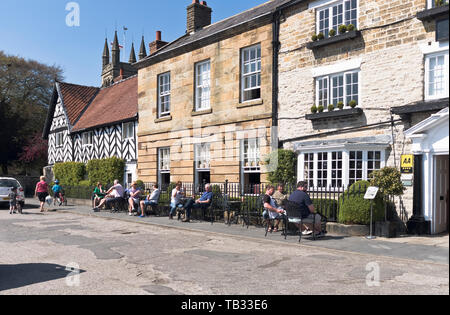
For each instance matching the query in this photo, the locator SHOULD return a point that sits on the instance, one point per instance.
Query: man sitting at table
(115, 193)
(203, 203)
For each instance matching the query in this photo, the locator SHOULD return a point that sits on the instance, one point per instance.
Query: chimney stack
(198, 16)
(157, 44)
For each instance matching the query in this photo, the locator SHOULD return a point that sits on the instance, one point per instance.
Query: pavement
(433, 249)
(74, 251)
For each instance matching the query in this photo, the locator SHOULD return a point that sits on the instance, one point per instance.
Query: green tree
(285, 162)
(389, 180)
(26, 88)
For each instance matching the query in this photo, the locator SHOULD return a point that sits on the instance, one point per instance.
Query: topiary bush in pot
(342, 29)
(354, 209)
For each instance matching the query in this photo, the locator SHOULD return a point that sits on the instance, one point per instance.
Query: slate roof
(114, 104)
(421, 106)
(211, 32)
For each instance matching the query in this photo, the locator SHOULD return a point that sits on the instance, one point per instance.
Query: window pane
(251, 73)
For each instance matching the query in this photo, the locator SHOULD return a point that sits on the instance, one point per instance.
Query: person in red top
(41, 192)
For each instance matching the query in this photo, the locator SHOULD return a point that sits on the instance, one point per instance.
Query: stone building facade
(393, 65)
(205, 101)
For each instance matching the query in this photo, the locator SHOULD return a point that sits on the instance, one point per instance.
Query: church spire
(116, 51)
(132, 55)
(143, 51)
(105, 53)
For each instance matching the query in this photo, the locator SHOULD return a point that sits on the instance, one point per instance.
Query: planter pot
(386, 229)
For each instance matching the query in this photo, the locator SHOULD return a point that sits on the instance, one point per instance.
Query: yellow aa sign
(407, 164)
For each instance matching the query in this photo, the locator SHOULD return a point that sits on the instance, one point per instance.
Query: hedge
(105, 171)
(354, 209)
(69, 173)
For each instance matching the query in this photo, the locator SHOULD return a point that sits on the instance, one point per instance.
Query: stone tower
(114, 70)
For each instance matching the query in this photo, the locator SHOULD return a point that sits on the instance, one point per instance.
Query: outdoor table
(233, 206)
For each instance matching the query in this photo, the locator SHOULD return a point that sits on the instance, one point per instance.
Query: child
(13, 201)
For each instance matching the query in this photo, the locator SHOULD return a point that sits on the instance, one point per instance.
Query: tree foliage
(26, 88)
(389, 181)
(285, 162)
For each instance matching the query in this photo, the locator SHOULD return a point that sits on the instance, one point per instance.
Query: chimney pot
(158, 35)
(198, 16)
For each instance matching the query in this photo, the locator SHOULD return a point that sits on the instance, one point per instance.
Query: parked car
(6, 186)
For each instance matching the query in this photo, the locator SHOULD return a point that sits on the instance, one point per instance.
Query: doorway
(441, 196)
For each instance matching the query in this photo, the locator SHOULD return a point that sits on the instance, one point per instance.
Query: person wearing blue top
(57, 190)
(203, 203)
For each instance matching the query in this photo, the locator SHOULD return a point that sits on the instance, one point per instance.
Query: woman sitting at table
(99, 194)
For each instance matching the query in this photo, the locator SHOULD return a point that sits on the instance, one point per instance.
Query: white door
(441, 194)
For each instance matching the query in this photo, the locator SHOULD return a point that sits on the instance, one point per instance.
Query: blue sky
(36, 29)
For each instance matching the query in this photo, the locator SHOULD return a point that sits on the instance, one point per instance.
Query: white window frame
(59, 139)
(203, 85)
(330, 92)
(445, 92)
(164, 160)
(329, 6)
(251, 155)
(256, 62)
(164, 93)
(128, 131)
(203, 157)
(431, 4)
(302, 176)
(87, 139)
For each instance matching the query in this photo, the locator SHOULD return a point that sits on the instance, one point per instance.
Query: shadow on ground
(17, 276)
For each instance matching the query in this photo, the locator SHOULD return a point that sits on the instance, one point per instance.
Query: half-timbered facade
(89, 123)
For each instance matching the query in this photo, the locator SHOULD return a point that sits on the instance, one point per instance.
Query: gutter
(276, 21)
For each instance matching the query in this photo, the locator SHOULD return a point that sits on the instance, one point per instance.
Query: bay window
(324, 170)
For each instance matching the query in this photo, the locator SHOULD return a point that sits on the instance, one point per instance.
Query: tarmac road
(121, 257)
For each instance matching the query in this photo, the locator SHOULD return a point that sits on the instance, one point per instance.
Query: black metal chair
(270, 222)
(296, 216)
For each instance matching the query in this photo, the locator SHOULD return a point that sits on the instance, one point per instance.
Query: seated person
(114, 194)
(152, 200)
(301, 198)
(98, 195)
(135, 197)
(279, 195)
(175, 201)
(271, 210)
(57, 192)
(203, 203)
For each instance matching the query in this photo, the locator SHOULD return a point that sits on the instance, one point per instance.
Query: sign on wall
(407, 164)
